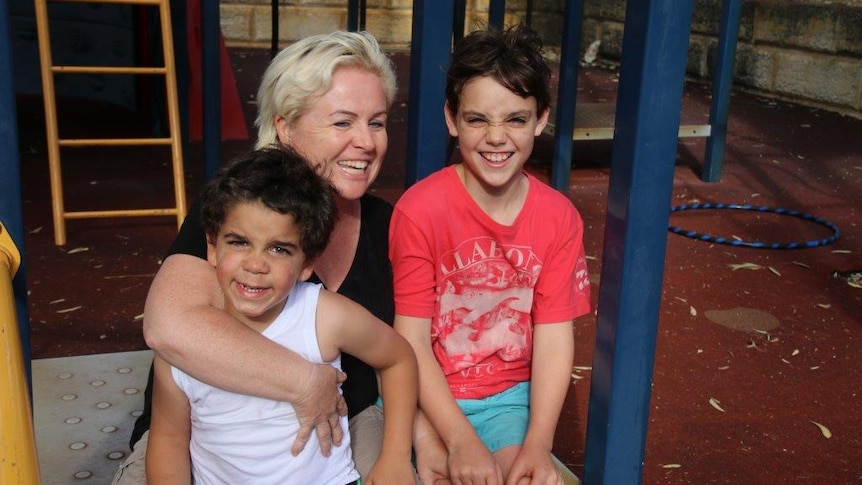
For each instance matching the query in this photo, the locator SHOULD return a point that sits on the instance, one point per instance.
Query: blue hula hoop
(836, 233)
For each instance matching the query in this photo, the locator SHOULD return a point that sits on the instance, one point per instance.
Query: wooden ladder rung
(108, 69)
(169, 211)
(115, 2)
(114, 142)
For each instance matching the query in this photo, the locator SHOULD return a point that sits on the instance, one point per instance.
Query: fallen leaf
(814, 367)
(716, 404)
(577, 377)
(824, 305)
(750, 266)
(797, 263)
(37, 230)
(823, 429)
(78, 250)
(56, 301)
(139, 316)
(672, 465)
(774, 271)
(724, 367)
(67, 310)
(582, 367)
(795, 352)
(841, 251)
(692, 311)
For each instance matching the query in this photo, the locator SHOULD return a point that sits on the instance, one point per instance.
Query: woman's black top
(368, 282)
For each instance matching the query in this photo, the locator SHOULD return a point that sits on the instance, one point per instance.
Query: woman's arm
(168, 459)
(553, 354)
(184, 325)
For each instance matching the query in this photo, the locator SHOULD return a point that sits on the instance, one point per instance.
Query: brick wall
(809, 51)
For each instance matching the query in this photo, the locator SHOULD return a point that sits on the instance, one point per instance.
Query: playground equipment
(17, 439)
(55, 142)
(645, 136)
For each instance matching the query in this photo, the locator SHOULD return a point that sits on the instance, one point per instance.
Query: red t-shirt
(484, 285)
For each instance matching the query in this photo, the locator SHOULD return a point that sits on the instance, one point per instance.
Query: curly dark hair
(282, 180)
(512, 56)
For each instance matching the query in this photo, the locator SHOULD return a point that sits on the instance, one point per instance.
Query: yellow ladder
(48, 69)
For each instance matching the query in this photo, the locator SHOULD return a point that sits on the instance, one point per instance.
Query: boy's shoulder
(548, 197)
(437, 186)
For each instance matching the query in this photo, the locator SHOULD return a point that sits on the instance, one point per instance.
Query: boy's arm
(553, 354)
(431, 453)
(168, 461)
(354, 330)
(184, 325)
(469, 459)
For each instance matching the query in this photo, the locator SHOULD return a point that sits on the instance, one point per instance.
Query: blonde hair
(303, 71)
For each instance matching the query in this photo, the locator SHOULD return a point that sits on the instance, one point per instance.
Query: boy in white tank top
(267, 216)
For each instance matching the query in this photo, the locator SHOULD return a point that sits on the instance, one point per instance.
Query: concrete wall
(807, 51)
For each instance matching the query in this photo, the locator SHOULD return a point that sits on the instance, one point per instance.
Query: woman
(328, 97)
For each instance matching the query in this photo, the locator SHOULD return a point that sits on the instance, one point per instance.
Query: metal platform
(595, 121)
(84, 410)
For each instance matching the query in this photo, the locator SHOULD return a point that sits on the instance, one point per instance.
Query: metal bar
(211, 74)
(273, 47)
(356, 15)
(722, 85)
(497, 13)
(352, 15)
(459, 16)
(11, 212)
(567, 94)
(430, 53)
(655, 46)
(18, 463)
(179, 26)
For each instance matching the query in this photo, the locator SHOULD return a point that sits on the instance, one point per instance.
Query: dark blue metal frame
(567, 95)
(649, 101)
(722, 84)
(430, 53)
(10, 196)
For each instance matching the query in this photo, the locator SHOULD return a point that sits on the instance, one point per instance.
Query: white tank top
(239, 439)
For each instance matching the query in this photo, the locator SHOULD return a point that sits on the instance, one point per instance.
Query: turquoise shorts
(500, 420)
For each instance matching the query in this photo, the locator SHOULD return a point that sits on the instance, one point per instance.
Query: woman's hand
(320, 408)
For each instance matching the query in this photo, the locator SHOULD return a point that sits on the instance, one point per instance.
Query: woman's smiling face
(344, 131)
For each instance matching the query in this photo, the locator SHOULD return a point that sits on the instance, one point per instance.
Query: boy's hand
(390, 472)
(431, 460)
(471, 463)
(534, 466)
(320, 408)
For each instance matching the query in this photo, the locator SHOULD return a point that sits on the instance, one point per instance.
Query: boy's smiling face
(258, 259)
(496, 130)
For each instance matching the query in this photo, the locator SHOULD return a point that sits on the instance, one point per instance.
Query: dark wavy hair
(512, 56)
(282, 180)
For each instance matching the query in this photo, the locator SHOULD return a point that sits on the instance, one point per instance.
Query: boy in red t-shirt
(489, 271)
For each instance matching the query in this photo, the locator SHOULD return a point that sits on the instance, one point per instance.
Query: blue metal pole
(10, 196)
(179, 27)
(567, 95)
(722, 85)
(497, 13)
(655, 46)
(211, 75)
(430, 53)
